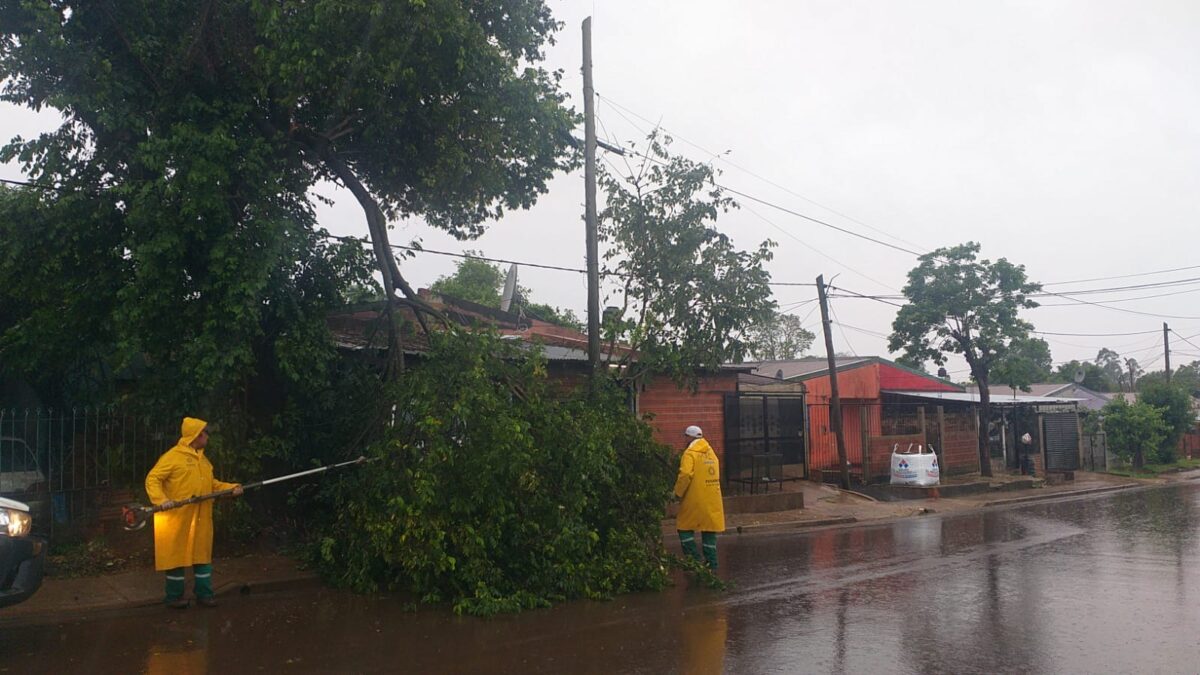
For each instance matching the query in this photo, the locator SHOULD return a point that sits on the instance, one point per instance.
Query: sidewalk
(826, 505)
(76, 598)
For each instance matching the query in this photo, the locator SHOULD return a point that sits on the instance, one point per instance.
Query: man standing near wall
(699, 489)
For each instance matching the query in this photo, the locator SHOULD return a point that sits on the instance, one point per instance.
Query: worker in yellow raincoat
(183, 535)
(699, 489)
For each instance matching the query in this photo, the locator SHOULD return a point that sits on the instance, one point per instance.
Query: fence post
(941, 446)
(864, 423)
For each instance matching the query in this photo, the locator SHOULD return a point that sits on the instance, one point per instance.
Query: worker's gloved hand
(169, 504)
(237, 491)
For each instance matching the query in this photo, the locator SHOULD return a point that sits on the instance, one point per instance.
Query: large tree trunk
(985, 419)
(389, 271)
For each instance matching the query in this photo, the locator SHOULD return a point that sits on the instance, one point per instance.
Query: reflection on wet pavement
(1088, 585)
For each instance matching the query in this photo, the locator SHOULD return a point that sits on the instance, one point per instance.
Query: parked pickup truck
(22, 557)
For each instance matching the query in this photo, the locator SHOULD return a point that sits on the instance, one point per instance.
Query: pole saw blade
(134, 517)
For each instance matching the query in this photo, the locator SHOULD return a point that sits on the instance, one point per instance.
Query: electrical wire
(721, 156)
(841, 330)
(1193, 344)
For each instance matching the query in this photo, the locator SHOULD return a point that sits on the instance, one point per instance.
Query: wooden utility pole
(1167, 350)
(835, 401)
(589, 178)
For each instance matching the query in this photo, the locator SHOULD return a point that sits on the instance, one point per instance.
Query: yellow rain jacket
(699, 486)
(183, 536)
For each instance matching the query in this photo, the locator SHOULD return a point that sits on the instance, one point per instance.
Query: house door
(757, 424)
(1062, 441)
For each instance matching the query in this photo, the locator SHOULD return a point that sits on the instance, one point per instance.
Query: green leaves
(687, 295)
(1134, 431)
(509, 502)
(958, 304)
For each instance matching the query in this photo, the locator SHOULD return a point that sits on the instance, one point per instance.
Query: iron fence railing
(76, 466)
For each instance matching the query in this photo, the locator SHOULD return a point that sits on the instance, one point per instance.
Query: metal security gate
(1062, 441)
(763, 429)
(1095, 449)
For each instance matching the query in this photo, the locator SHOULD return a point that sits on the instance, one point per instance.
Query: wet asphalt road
(1108, 584)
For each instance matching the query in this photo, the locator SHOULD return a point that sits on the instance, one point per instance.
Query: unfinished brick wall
(880, 459)
(960, 444)
(672, 409)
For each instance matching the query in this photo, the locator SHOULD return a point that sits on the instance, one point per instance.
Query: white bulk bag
(916, 466)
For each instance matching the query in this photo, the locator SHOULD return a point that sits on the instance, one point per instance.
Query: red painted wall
(899, 379)
(671, 409)
(856, 383)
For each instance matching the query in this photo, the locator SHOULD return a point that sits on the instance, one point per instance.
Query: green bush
(1135, 432)
(1175, 405)
(497, 491)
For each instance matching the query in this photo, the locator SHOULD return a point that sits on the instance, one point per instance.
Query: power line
(1144, 332)
(805, 244)
(841, 330)
(522, 263)
(1193, 344)
(721, 156)
(1122, 276)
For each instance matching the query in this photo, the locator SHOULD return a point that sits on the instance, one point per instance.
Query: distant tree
(1094, 377)
(687, 296)
(1186, 377)
(1174, 403)
(1027, 361)
(958, 304)
(781, 337)
(551, 314)
(474, 280)
(1133, 431)
(1114, 371)
(1133, 373)
(482, 282)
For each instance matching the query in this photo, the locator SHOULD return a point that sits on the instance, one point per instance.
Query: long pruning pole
(136, 515)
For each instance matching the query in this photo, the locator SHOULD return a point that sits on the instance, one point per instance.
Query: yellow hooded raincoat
(699, 488)
(183, 536)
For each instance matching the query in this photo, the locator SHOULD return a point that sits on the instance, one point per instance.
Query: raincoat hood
(189, 430)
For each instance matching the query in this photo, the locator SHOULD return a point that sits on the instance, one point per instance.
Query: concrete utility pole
(1167, 350)
(835, 401)
(589, 179)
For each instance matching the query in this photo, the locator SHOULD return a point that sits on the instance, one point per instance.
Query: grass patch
(1153, 470)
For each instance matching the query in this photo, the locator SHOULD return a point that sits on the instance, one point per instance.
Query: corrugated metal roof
(973, 397)
(811, 365)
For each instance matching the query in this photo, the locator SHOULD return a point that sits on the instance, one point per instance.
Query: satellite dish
(510, 288)
(1079, 375)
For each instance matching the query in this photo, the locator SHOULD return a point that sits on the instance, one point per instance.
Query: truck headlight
(16, 523)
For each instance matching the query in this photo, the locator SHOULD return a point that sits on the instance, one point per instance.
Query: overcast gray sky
(1061, 135)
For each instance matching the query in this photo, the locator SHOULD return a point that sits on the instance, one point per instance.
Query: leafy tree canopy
(781, 337)
(687, 296)
(496, 492)
(1027, 361)
(475, 280)
(1187, 377)
(482, 282)
(1094, 377)
(1134, 431)
(199, 130)
(1174, 403)
(959, 304)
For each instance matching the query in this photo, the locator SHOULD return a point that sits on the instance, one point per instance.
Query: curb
(1061, 495)
(792, 525)
(225, 590)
